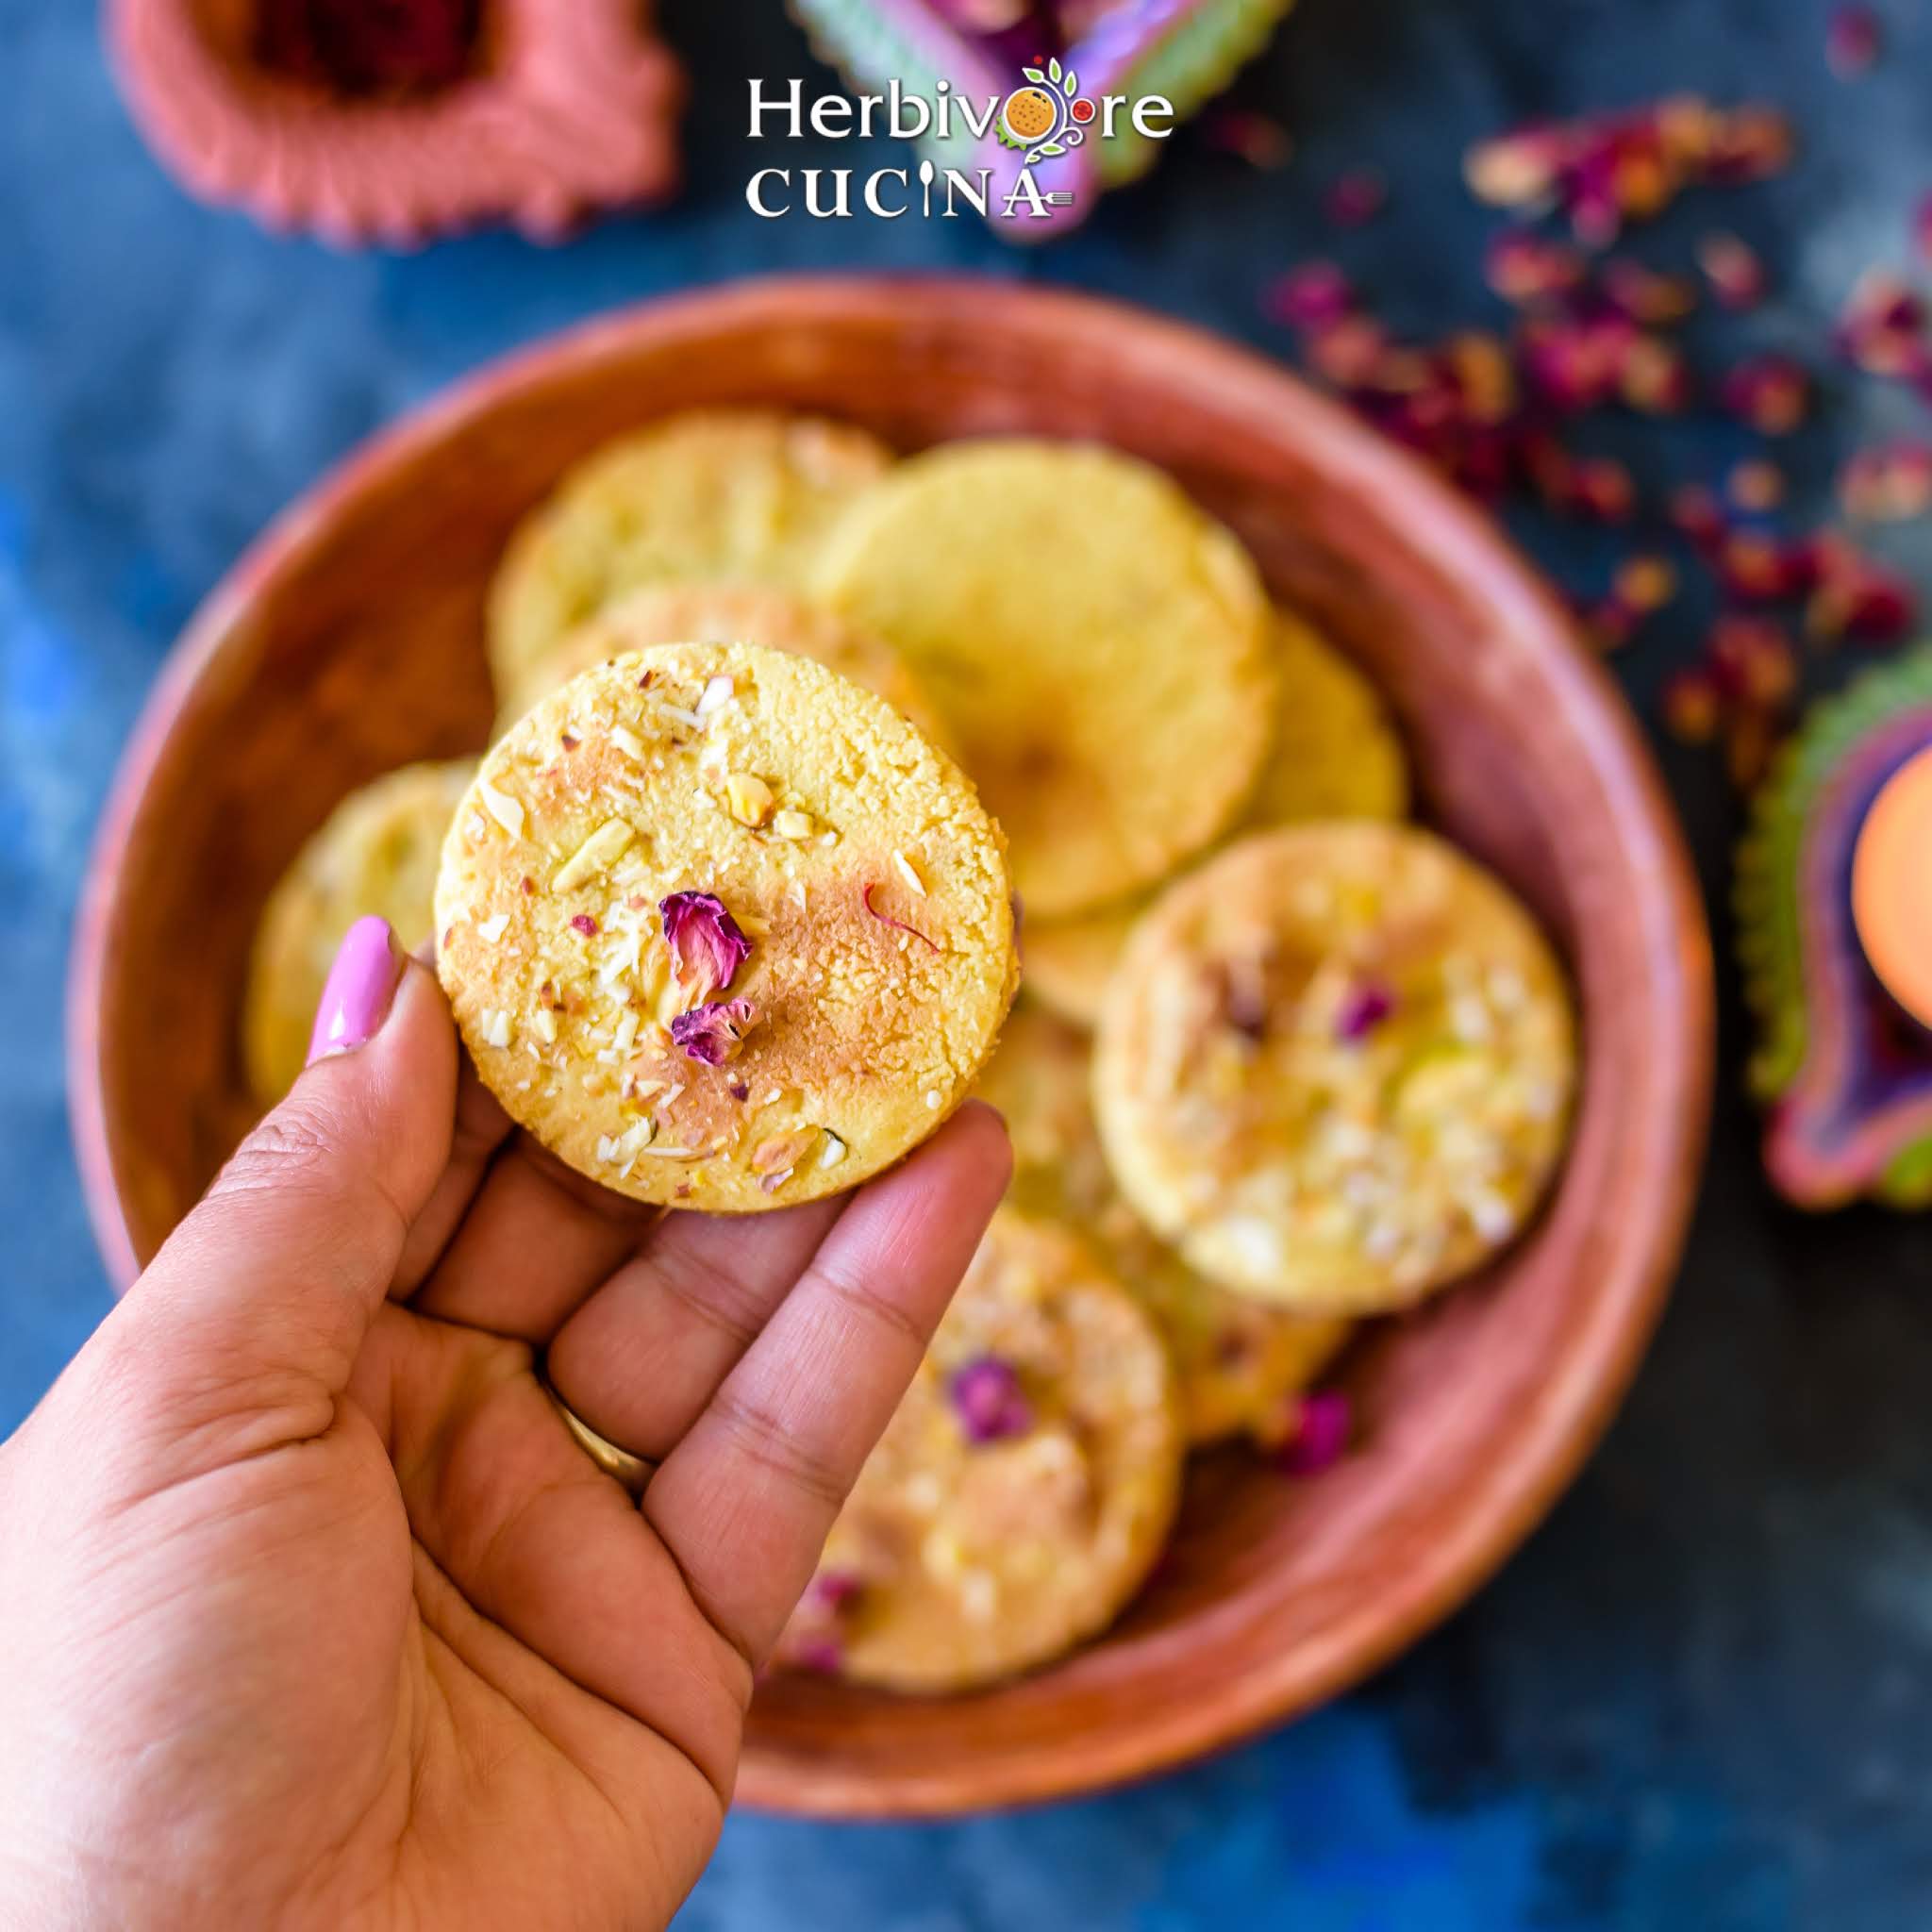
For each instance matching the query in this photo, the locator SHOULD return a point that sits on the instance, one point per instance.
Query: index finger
(745, 1500)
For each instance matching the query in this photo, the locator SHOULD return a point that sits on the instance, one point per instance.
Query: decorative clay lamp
(1834, 903)
(395, 123)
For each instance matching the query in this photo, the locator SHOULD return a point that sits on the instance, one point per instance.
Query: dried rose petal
(1320, 1439)
(1750, 144)
(1522, 267)
(1770, 392)
(1355, 199)
(1754, 568)
(1611, 623)
(713, 1033)
(987, 1399)
(1350, 352)
(1857, 598)
(584, 923)
(835, 1590)
(1364, 1007)
(1752, 661)
(1645, 583)
(1654, 377)
(1603, 490)
(1755, 485)
(1852, 41)
(1574, 366)
(1692, 706)
(897, 924)
(1732, 268)
(1697, 514)
(1882, 328)
(823, 1654)
(1314, 295)
(1888, 485)
(706, 947)
(1644, 295)
(1516, 170)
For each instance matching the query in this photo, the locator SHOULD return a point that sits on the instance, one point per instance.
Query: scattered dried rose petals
(1855, 596)
(1770, 392)
(1755, 485)
(987, 1399)
(1355, 199)
(1323, 1427)
(1852, 41)
(1606, 170)
(713, 1033)
(1733, 268)
(706, 946)
(1888, 485)
(1363, 1008)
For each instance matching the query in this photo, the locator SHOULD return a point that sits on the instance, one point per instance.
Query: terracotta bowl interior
(348, 643)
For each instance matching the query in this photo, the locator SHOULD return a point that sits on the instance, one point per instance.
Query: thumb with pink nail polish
(361, 983)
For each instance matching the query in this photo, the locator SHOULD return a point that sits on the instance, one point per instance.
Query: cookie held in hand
(722, 930)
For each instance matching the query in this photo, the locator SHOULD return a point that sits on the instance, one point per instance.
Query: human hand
(312, 1611)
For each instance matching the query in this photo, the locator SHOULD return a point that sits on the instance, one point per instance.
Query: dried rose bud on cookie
(1240, 1365)
(376, 852)
(1020, 1494)
(1335, 1066)
(722, 930)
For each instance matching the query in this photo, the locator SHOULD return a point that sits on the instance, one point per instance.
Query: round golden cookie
(714, 496)
(723, 614)
(1335, 1066)
(1335, 755)
(375, 853)
(722, 930)
(1240, 1364)
(1097, 645)
(1021, 1493)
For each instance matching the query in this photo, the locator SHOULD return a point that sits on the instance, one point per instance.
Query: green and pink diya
(1833, 901)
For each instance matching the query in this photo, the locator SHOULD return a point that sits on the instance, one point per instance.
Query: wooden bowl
(347, 641)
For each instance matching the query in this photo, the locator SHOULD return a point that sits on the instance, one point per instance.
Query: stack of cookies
(727, 916)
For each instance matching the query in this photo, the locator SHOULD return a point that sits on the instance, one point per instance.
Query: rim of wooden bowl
(1588, 1382)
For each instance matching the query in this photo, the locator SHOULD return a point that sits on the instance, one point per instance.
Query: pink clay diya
(393, 125)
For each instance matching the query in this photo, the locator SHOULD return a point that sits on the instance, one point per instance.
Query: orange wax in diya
(1891, 886)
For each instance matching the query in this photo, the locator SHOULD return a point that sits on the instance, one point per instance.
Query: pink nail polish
(361, 983)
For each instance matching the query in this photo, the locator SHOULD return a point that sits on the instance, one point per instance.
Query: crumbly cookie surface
(1335, 1067)
(722, 930)
(1097, 643)
(375, 853)
(712, 496)
(1240, 1364)
(725, 615)
(1022, 1490)
(1335, 755)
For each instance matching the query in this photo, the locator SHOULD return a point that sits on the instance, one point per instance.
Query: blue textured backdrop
(1702, 1697)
